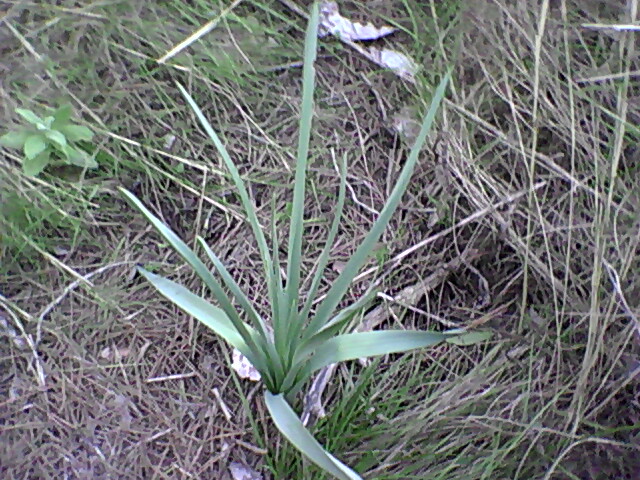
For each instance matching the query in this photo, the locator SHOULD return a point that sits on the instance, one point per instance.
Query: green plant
(49, 140)
(302, 341)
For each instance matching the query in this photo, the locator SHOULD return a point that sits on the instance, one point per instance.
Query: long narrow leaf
(341, 285)
(351, 346)
(200, 268)
(326, 251)
(237, 180)
(337, 323)
(275, 277)
(292, 428)
(470, 338)
(213, 317)
(323, 346)
(234, 288)
(244, 196)
(296, 227)
(345, 313)
(294, 379)
(263, 340)
(279, 307)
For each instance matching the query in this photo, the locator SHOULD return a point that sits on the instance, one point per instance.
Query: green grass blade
(351, 346)
(237, 180)
(333, 232)
(341, 285)
(296, 227)
(213, 317)
(291, 427)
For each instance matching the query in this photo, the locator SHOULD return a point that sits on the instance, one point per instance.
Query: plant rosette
(52, 140)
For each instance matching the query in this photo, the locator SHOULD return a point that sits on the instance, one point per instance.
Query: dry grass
(532, 177)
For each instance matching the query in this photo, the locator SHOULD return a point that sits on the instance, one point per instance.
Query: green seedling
(52, 140)
(299, 340)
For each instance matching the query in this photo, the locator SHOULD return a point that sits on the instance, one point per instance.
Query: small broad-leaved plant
(51, 140)
(300, 339)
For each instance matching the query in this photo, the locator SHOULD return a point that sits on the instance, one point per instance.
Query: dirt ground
(522, 218)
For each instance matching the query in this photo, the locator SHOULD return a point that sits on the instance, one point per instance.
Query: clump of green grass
(297, 343)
